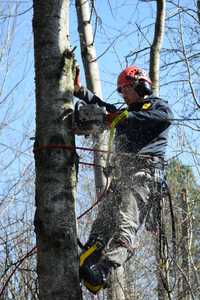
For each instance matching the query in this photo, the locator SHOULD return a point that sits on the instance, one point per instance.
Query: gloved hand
(113, 119)
(111, 108)
(77, 85)
(77, 81)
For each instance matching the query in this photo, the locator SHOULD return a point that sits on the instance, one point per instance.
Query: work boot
(95, 276)
(92, 253)
(90, 257)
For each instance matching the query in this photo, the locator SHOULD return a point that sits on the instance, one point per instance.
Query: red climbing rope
(98, 199)
(68, 147)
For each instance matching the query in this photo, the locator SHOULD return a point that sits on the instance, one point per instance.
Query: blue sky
(17, 114)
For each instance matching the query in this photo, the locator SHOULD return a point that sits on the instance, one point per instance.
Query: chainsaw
(88, 119)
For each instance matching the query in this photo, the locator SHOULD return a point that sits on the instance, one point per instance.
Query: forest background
(123, 34)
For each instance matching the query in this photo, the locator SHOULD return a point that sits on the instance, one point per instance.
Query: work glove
(115, 118)
(77, 80)
(77, 85)
(111, 108)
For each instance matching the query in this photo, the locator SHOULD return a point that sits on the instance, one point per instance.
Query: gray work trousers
(131, 201)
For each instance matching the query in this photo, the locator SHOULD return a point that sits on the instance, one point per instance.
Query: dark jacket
(145, 130)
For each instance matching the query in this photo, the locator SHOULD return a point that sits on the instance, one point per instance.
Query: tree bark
(198, 9)
(185, 247)
(91, 68)
(55, 221)
(94, 84)
(162, 293)
(155, 78)
(117, 291)
(157, 45)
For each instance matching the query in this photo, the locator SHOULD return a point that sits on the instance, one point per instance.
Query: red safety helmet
(136, 77)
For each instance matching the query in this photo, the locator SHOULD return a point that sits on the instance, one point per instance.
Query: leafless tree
(185, 282)
(89, 58)
(55, 222)
(116, 31)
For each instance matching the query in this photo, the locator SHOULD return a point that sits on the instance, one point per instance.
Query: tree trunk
(117, 291)
(157, 45)
(162, 293)
(185, 247)
(154, 75)
(55, 221)
(93, 81)
(198, 10)
(94, 84)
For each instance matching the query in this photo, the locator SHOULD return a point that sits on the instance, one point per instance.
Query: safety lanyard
(114, 123)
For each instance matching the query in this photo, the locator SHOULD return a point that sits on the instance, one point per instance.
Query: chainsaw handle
(76, 111)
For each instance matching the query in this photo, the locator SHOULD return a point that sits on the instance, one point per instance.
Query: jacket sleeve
(90, 98)
(87, 96)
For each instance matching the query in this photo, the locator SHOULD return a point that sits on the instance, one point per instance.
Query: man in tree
(137, 175)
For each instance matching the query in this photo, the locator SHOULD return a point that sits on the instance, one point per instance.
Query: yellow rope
(114, 123)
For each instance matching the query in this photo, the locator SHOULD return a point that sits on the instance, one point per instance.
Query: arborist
(137, 171)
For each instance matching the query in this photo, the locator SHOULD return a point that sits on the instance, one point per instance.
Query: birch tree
(87, 40)
(185, 247)
(126, 31)
(154, 75)
(55, 222)
(157, 45)
(91, 68)
(198, 10)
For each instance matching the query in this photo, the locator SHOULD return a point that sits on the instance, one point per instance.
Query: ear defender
(143, 88)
